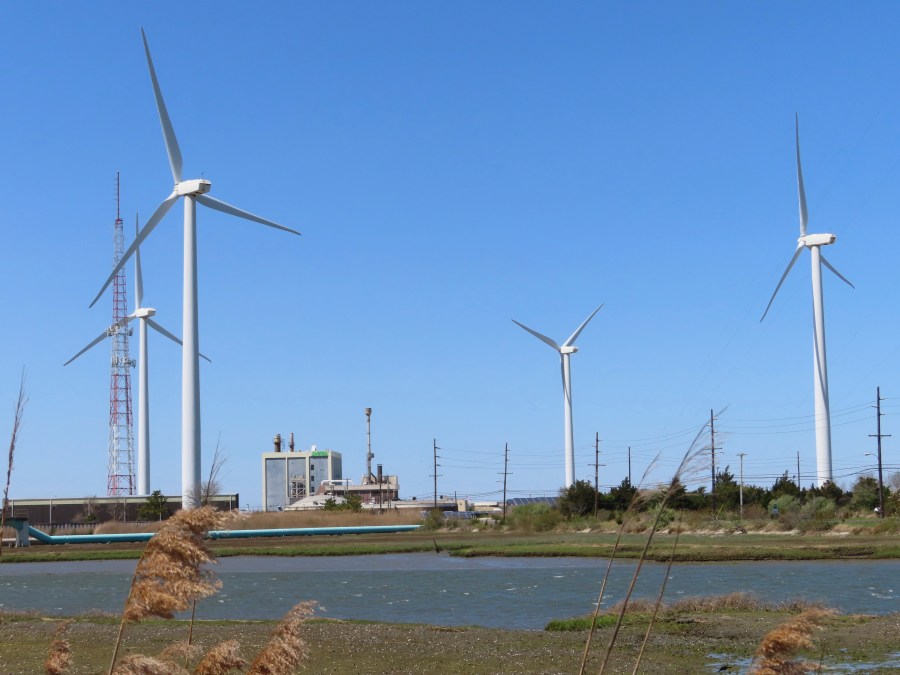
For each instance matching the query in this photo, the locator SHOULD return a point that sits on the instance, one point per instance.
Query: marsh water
(443, 590)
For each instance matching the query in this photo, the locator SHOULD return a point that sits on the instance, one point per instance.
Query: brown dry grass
(221, 659)
(118, 527)
(775, 654)
(285, 649)
(59, 660)
(138, 664)
(272, 520)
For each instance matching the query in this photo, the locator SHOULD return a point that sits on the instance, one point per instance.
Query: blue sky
(451, 167)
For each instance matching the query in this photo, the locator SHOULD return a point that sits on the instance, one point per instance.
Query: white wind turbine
(565, 350)
(192, 191)
(820, 364)
(144, 314)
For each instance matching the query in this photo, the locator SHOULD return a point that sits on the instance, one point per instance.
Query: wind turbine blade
(162, 331)
(543, 338)
(105, 334)
(168, 131)
(138, 277)
(781, 281)
(804, 218)
(838, 274)
(219, 205)
(574, 336)
(161, 211)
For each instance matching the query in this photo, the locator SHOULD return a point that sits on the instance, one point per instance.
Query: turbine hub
(197, 186)
(816, 240)
(568, 350)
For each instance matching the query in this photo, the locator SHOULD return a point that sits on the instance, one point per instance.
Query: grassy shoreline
(691, 547)
(687, 642)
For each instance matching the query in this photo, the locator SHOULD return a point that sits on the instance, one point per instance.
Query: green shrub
(434, 520)
(817, 513)
(539, 517)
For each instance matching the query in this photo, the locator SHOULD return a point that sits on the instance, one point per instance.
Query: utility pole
(879, 436)
(712, 449)
(596, 472)
(799, 486)
(505, 474)
(741, 455)
(436, 465)
(629, 466)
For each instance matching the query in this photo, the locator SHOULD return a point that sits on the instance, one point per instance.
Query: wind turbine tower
(120, 466)
(814, 242)
(565, 351)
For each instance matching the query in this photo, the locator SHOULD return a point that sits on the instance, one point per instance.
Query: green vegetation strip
(692, 548)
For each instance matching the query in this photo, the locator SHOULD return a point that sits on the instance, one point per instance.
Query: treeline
(782, 499)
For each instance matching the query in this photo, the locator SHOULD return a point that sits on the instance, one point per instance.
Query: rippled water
(442, 590)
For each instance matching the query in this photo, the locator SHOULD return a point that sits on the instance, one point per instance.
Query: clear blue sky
(453, 166)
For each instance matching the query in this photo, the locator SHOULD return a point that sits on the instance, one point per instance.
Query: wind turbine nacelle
(144, 312)
(568, 350)
(197, 186)
(817, 240)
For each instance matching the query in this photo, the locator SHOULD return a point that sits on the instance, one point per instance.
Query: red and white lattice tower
(120, 467)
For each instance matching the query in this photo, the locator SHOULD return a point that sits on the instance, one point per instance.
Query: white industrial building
(292, 475)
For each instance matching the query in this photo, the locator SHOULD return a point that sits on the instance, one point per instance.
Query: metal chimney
(277, 441)
(369, 454)
(292, 442)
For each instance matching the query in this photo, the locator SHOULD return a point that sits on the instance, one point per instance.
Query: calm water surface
(441, 590)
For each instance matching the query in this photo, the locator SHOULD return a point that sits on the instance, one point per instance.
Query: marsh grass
(639, 611)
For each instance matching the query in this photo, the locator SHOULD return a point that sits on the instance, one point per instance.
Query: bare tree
(213, 483)
(17, 423)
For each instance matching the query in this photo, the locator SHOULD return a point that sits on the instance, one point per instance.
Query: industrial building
(305, 479)
(58, 511)
(292, 475)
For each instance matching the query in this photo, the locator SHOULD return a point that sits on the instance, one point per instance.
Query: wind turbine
(814, 242)
(144, 314)
(565, 350)
(193, 191)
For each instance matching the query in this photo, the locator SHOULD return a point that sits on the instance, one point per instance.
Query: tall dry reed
(285, 649)
(170, 575)
(59, 660)
(637, 499)
(775, 653)
(689, 464)
(221, 659)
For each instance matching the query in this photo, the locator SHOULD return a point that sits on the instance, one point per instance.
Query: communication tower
(120, 467)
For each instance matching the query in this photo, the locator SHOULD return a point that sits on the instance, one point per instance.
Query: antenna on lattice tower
(120, 466)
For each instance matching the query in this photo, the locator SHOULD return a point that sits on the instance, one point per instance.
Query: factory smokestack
(369, 454)
(277, 441)
(292, 442)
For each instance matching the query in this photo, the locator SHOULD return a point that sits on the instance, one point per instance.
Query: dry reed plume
(221, 659)
(285, 649)
(138, 664)
(774, 655)
(169, 575)
(59, 660)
